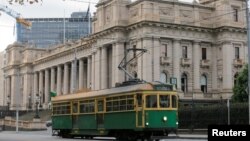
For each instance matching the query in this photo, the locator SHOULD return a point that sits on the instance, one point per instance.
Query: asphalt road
(46, 136)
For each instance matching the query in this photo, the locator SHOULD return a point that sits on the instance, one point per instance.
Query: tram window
(100, 106)
(174, 101)
(116, 105)
(75, 107)
(164, 101)
(139, 100)
(151, 101)
(109, 106)
(130, 104)
(123, 105)
(87, 106)
(61, 108)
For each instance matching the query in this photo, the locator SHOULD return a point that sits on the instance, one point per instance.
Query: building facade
(46, 32)
(2, 96)
(203, 45)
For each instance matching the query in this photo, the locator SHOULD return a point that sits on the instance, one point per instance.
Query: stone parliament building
(202, 44)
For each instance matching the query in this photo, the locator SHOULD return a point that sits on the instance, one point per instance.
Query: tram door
(139, 110)
(75, 108)
(100, 114)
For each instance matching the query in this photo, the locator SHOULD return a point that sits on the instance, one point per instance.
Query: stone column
(35, 87)
(93, 71)
(147, 60)
(59, 80)
(97, 69)
(118, 54)
(176, 62)
(196, 66)
(89, 72)
(14, 91)
(227, 54)
(52, 83)
(140, 60)
(156, 58)
(66, 79)
(46, 87)
(81, 70)
(104, 68)
(73, 78)
(8, 86)
(41, 83)
(214, 69)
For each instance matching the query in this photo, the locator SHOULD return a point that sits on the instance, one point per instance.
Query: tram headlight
(165, 118)
(177, 122)
(147, 123)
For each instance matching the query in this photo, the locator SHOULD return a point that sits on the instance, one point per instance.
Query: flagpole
(89, 17)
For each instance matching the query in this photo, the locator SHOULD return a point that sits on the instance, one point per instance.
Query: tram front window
(151, 101)
(174, 101)
(164, 101)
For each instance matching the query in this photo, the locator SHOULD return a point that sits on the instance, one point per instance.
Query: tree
(241, 87)
(22, 2)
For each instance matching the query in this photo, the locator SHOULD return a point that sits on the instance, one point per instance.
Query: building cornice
(175, 2)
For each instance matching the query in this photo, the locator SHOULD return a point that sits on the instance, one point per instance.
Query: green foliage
(241, 87)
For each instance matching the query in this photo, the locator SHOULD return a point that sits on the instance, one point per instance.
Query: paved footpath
(46, 136)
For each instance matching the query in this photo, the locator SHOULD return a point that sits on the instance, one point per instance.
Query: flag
(52, 94)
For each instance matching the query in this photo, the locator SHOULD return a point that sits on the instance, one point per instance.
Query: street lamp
(37, 102)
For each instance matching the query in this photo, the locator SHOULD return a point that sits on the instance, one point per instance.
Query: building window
(237, 53)
(134, 52)
(204, 53)
(166, 50)
(235, 14)
(184, 51)
(163, 77)
(203, 82)
(184, 83)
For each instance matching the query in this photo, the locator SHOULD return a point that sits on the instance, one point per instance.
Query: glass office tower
(46, 32)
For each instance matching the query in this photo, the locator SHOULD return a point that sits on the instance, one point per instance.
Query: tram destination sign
(163, 87)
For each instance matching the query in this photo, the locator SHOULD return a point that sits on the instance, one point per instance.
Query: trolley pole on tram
(248, 44)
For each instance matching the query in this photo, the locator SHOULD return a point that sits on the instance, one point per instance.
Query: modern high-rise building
(50, 31)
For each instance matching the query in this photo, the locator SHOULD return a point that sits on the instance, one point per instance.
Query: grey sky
(49, 8)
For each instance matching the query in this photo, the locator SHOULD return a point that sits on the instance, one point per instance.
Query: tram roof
(115, 90)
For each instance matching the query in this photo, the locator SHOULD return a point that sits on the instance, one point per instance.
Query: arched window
(235, 78)
(163, 77)
(184, 83)
(203, 83)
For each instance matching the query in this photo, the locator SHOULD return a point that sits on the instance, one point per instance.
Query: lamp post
(37, 102)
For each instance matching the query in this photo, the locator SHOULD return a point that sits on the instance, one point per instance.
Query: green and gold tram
(129, 112)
